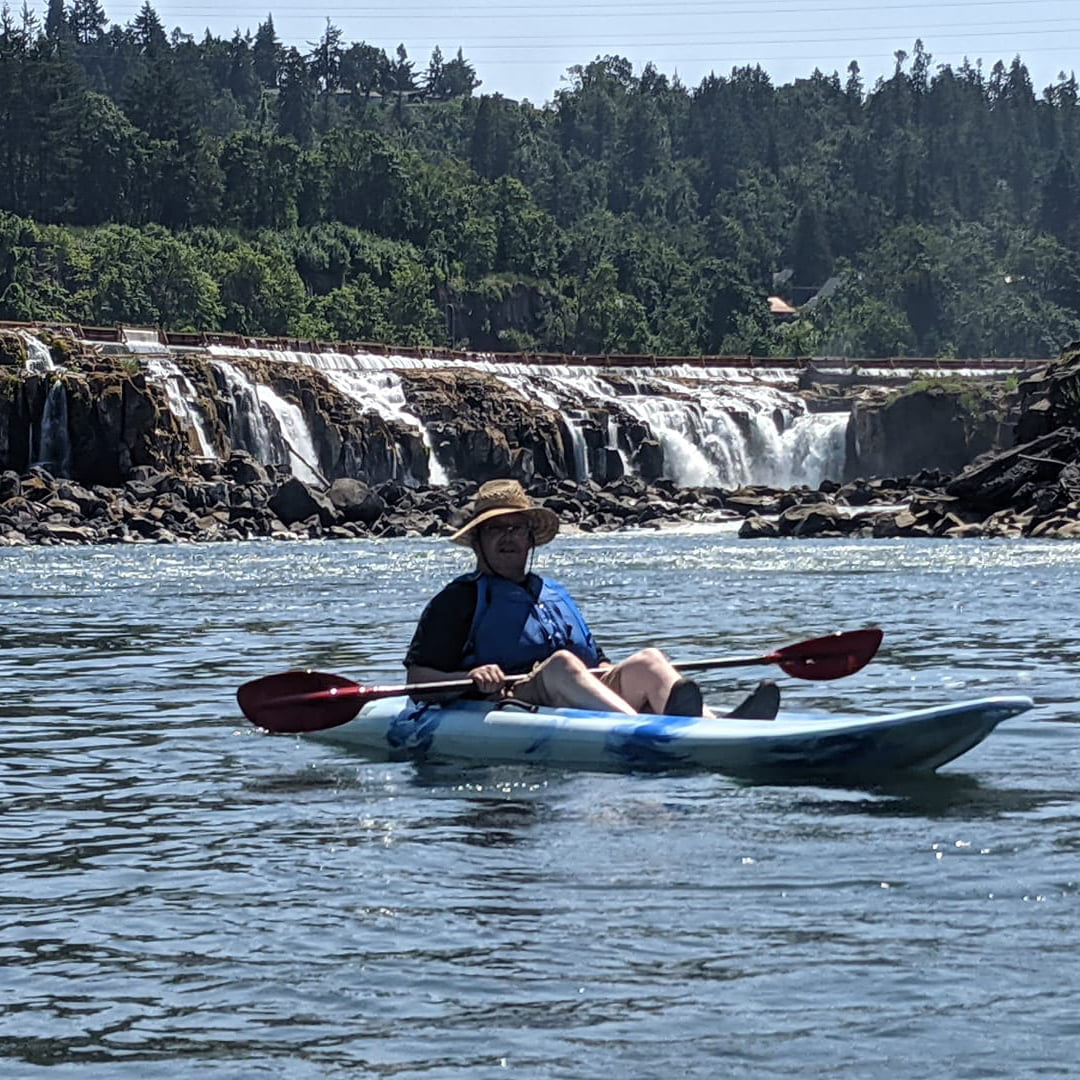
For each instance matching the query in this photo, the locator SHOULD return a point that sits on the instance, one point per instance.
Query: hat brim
(545, 524)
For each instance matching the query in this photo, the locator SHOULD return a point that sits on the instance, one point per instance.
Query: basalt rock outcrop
(134, 474)
(1050, 399)
(481, 429)
(239, 499)
(116, 421)
(931, 427)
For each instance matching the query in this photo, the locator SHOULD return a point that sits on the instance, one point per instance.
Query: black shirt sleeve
(443, 630)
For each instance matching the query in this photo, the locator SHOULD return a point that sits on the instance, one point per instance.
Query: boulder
(355, 501)
(755, 527)
(294, 502)
(812, 520)
(242, 468)
(993, 481)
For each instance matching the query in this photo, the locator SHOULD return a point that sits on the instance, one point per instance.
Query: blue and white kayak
(794, 744)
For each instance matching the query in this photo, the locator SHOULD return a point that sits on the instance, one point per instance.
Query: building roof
(779, 306)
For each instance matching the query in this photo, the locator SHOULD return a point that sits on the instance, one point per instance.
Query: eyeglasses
(508, 528)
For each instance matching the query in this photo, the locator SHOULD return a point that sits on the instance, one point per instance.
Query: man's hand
(489, 678)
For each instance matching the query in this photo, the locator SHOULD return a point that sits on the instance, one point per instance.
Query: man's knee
(564, 662)
(546, 683)
(651, 659)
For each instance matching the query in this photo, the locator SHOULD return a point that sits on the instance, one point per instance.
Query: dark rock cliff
(899, 433)
(132, 472)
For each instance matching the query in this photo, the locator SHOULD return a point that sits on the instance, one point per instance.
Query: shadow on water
(928, 795)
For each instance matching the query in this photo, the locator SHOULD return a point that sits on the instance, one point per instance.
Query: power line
(652, 7)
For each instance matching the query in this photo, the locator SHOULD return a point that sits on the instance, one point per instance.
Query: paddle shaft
(303, 701)
(371, 693)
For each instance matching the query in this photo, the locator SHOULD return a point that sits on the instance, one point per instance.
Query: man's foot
(684, 699)
(762, 704)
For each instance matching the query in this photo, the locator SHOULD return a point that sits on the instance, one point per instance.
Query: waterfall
(303, 458)
(381, 392)
(250, 427)
(722, 427)
(54, 440)
(39, 358)
(574, 418)
(374, 386)
(181, 396)
(812, 449)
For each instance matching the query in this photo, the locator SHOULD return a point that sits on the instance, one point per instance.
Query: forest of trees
(339, 193)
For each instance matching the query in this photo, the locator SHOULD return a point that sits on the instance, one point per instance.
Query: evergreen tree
(296, 99)
(326, 60)
(87, 21)
(457, 78)
(400, 77)
(147, 31)
(57, 27)
(266, 54)
(1059, 202)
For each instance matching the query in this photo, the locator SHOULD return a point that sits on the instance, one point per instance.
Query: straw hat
(497, 498)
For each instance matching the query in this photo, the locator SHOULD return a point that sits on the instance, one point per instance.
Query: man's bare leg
(564, 682)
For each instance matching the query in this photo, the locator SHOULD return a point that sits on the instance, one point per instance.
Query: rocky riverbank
(1010, 495)
(133, 474)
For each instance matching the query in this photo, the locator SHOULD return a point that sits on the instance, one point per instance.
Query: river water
(183, 896)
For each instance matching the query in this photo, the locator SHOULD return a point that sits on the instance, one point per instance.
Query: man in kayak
(502, 620)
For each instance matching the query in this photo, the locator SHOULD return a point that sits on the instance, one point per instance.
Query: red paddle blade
(830, 657)
(298, 701)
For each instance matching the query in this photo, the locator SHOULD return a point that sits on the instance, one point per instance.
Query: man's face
(504, 545)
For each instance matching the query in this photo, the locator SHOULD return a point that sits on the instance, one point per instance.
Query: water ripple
(184, 895)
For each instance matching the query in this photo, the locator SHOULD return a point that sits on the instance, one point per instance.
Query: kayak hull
(794, 744)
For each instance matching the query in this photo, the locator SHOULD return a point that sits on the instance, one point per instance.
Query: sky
(522, 49)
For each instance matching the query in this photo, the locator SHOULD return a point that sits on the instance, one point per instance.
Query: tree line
(341, 193)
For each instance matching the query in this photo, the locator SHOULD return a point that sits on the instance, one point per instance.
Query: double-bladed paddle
(299, 701)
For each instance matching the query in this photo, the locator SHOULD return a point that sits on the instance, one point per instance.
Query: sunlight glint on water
(186, 897)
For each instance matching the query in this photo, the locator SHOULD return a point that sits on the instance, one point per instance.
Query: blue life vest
(515, 631)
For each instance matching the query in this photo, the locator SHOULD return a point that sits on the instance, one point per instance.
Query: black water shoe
(762, 704)
(685, 699)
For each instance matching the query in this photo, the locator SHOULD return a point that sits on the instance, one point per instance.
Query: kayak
(793, 745)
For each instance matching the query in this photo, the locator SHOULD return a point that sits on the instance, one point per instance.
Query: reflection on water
(184, 896)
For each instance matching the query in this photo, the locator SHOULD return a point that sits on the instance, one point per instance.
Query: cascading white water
(381, 391)
(717, 427)
(813, 448)
(250, 429)
(613, 442)
(303, 458)
(39, 358)
(54, 440)
(181, 397)
(374, 387)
